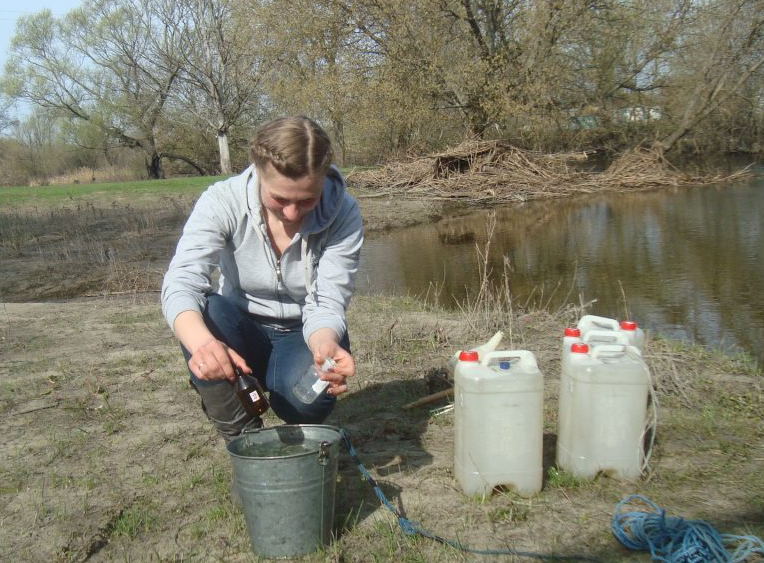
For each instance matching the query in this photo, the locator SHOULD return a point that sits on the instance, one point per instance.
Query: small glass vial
(250, 393)
(310, 386)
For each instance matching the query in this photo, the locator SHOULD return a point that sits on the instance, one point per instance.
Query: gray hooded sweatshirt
(309, 287)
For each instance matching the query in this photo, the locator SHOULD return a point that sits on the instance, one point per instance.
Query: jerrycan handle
(614, 350)
(606, 337)
(593, 322)
(526, 357)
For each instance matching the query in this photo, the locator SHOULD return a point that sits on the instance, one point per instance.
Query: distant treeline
(178, 87)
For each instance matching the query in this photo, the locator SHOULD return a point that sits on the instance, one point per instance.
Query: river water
(685, 263)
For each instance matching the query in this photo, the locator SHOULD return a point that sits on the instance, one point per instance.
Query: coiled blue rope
(411, 529)
(676, 540)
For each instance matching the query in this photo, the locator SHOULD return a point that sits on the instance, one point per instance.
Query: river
(685, 263)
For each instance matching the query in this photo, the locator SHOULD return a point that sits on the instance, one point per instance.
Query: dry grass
(481, 172)
(85, 175)
(86, 249)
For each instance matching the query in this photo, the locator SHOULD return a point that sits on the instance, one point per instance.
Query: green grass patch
(561, 479)
(63, 193)
(134, 520)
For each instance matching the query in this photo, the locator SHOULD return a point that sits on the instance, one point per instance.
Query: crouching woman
(286, 237)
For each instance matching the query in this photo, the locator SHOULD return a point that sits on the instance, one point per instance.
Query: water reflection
(688, 260)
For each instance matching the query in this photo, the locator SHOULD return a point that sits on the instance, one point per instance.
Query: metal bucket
(286, 476)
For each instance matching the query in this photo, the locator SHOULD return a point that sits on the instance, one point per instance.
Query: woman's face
(286, 199)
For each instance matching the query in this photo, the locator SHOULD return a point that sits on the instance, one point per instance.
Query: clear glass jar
(310, 385)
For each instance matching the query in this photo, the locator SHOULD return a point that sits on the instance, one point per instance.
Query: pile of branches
(481, 172)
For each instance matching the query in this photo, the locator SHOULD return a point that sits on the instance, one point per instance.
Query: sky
(11, 10)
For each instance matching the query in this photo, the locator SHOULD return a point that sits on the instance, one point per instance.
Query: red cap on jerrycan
(636, 335)
(468, 356)
(579, 348)
(572, 332)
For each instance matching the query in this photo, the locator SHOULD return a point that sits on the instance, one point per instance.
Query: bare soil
(106, 455)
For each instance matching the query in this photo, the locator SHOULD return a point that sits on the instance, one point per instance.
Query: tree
(37, 134)
(618, 54)
(6, 120)
(491, 62)
(317, 68)
(97, 64)
(718, 57)
(220, 68)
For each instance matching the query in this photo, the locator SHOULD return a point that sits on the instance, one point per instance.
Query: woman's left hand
(344, 365)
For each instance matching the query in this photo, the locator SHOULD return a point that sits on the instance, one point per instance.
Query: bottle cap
(468, 356)
(504, 365)
(579, 348)
(572, 332)
(628, 325)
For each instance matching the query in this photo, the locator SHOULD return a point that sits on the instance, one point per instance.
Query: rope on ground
(676, 540)
(411, 529)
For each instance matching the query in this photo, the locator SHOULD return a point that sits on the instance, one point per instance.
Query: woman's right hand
(210, 358)
(213, 360)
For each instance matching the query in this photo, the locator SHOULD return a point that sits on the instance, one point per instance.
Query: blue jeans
(277, 358)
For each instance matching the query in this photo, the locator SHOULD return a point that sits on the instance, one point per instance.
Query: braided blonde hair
(295, 146)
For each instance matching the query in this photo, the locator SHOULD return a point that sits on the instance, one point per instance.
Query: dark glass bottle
(250, 393)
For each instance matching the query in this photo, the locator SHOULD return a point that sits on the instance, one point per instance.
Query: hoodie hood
(321, 216)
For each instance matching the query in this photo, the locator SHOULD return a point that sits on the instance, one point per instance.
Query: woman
(286, 238)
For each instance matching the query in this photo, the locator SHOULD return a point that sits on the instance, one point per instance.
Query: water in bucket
(602, 411)
(286, 477)
(498, 409)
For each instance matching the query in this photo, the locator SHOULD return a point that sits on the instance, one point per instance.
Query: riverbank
(84, 241)
(107, 457)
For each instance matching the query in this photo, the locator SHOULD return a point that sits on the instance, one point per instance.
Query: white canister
(498, 409)
(592, 322)
(597, 337)
(604, 401)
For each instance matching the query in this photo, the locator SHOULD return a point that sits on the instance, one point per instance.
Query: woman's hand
(210, 358)
(344, 365)
(213, 360)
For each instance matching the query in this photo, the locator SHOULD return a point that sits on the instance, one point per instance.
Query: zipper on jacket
(279, 281)
(279, 287)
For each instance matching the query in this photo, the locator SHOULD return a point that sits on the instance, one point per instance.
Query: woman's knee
(223, 408)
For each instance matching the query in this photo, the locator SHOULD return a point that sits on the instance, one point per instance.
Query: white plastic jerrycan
(482, 349)
(636, 334)
(593, 322)
(603, 409)
(570, 335)
(596, 337)
(498, 409)
(630, 328)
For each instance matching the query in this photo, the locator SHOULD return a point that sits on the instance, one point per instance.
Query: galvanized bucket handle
(323, 453)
